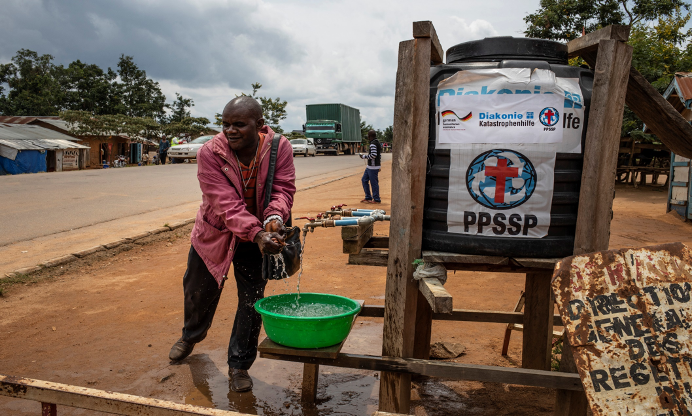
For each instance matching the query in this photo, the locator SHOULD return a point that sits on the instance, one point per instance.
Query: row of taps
(338, 216)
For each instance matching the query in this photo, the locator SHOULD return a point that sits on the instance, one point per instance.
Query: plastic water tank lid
(508, 47)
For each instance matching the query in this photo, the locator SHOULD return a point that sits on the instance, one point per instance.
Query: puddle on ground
(277, 384)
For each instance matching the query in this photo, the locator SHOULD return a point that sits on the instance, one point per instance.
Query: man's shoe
(376, 202)
(367, 201)
(180, 350)
(240, 380)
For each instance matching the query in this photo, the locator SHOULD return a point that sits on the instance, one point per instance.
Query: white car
(303, 147)
(187, 150)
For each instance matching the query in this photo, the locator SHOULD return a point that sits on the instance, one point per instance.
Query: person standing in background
(163, 150)
(370, 177)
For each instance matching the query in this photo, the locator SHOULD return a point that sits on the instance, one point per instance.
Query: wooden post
(406, 225)
(569, 402)
(601, 147)
(538, 322)
(49, 409)
(612, 70)
(424, 315)
(310, 377)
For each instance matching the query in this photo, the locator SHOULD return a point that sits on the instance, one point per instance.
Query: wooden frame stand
(411, 306)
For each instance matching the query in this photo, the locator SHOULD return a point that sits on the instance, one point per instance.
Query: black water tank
(505, 52)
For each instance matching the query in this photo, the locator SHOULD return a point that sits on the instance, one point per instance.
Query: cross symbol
(501, 172)
(549, 116)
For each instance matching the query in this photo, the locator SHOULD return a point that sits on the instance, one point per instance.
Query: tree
(389, 134)
(364, 129)
(86, 87)
(180, 108)
(33, 90)
(566, 19)
(137, 95)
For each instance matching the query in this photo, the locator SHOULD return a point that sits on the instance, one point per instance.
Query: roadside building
(102, 148)
(31, 149)
(679, 94)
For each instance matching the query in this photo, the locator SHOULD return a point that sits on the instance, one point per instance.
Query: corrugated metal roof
(684, 84)
(27, 137)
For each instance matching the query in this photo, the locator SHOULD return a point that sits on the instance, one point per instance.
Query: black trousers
(202, 295)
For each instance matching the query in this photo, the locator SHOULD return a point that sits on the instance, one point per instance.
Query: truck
(333, 127)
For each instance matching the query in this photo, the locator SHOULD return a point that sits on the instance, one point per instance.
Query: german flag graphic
(467, 117)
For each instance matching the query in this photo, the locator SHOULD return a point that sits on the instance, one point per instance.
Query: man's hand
(275, 226)
(270, 243)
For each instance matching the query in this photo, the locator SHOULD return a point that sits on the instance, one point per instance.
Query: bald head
(246, 105)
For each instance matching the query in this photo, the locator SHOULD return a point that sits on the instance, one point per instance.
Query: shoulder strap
(272, 168)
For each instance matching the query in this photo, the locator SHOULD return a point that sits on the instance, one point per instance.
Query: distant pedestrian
(163, 150)
(370, 177)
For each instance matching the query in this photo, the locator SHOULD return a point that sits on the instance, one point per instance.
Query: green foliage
(661, 44)
(217, 120)
(388, 134)
(556, 355)
(33, 88)
(180, 108)
(37, 87)
(565, 19)
(137, 95)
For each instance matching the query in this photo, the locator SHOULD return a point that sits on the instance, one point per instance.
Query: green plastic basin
(306, 332)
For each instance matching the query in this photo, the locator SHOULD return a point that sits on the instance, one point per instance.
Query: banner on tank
(503, 128)
(509, 105)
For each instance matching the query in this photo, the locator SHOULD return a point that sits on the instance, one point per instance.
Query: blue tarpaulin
(27, 161)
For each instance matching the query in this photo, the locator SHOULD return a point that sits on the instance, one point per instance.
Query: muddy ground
(109, 320)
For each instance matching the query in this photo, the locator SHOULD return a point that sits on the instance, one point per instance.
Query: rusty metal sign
(628, 316)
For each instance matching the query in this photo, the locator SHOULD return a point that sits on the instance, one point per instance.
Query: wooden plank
(272, 347)
(421, 346)
(442, 257)
(537, 263)
(310, 377)
(655, 111)
(438, 297)
(600, 152)
(569, 402)
(425, 29)
(447, 370)
(355, 245)
(411, 105)
(538, 322)
(269, 346)
(590, 41)
(377, 242)
(99, 400)
(369, 257)
(353, 232)
(466, 315)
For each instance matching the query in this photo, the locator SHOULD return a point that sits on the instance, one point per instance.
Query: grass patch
(556, 355)
(18, 279)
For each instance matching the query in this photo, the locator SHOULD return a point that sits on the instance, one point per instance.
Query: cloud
(302, 51)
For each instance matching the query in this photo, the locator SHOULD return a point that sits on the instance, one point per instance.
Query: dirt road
(108, 322)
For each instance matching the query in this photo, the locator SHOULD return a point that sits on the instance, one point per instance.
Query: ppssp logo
(501, 179)
(549, 116)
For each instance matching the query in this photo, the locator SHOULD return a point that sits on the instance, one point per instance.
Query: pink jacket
(222, 219)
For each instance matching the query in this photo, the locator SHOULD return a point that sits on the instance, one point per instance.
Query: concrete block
(159, 230)
(58, 261)
(178, 224)
(139, 236)
(28, 270)
(89, 251)
(116, 243)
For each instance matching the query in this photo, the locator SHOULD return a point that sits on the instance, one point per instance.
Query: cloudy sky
(302, 51)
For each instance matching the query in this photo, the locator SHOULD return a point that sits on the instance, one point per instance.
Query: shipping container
(333, 127)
